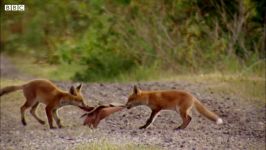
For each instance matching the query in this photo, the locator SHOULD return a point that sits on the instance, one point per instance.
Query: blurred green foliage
(118, 38)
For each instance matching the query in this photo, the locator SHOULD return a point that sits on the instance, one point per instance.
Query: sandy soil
(243, 128)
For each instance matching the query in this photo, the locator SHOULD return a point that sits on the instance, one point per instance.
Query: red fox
(44, 91)
(179, 101)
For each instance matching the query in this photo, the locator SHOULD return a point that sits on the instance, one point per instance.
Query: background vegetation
(108, 40)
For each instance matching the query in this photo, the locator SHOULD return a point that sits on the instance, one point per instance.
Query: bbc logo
(14, 7)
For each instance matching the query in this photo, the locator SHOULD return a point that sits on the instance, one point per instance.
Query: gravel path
(243, 128)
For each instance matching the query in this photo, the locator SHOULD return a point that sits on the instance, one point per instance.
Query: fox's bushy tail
(205, 112)
(10, 89)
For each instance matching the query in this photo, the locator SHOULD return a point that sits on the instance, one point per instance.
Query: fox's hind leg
(33, 112)
(30, 100)
(184, 113)
(23, 108)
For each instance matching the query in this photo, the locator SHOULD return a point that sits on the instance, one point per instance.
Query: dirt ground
(243, 128)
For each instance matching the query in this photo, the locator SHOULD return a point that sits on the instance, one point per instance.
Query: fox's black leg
(150, 120)
(185, 117)
(49, 116)
(33, 112)
(26, 105)
(57, 119)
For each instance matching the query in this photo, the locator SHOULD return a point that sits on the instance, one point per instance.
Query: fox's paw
(61, 126)
(178, 128)
(42, 122)
(142, 127)
(23, 122)
(52, 127)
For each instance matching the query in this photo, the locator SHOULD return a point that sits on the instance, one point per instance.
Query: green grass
(107, 145)
(141, 74)
(66, 72)
(14, 97)
(62, 72)
(6, 82)
(244, 84)
(247, 87)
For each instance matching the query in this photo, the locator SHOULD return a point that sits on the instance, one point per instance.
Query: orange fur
(44, 91)
(179, 101)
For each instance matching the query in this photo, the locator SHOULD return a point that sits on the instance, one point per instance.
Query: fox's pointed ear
(136, 90)
(72, 90)
(79, 87)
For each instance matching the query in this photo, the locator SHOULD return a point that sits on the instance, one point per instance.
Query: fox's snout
(81, 104)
